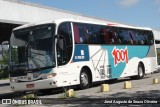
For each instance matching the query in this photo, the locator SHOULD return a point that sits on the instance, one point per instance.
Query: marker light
(49, 76)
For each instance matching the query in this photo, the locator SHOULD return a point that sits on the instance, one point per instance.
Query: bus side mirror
(61, 44)
(5, 47)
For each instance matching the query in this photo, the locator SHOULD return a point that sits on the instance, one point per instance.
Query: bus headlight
(49, 76)
(13, 80)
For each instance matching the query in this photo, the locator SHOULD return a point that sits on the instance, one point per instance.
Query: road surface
(143, 89)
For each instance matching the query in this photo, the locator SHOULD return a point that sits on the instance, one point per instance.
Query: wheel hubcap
(84, 79)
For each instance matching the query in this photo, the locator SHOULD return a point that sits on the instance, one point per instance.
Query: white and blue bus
(66, 52)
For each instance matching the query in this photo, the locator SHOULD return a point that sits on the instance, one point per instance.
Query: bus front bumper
(34, 85)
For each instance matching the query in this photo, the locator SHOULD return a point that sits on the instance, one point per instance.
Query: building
(14, 13)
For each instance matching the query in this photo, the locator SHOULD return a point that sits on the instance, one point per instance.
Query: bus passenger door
(104, 66)
(100, 63)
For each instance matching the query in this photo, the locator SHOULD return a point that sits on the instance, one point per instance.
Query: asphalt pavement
(143, 93)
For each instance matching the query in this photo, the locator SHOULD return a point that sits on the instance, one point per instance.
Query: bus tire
(84, 79)
(141, 71)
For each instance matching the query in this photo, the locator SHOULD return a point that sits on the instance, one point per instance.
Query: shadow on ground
(137, 99)
(150, 97)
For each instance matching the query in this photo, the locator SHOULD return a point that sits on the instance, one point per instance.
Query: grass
(4, 74)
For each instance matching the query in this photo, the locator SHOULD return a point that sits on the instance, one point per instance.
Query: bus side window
(121, 36)
(149, 37)
(141, 38)
(114, 38)
(117, 36)
(76, 34)
(130, 34)
(134, 37)
(110, 36)
(82, 33)
(125, 36)
(94, 36)
(106, 36)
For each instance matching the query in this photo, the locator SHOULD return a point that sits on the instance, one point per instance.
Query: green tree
(4, 73)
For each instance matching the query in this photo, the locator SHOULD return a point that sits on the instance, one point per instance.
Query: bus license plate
(30, 85)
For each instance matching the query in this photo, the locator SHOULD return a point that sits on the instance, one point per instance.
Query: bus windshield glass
(32, 48)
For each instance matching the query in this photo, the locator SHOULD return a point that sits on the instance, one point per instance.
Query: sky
(144, 13)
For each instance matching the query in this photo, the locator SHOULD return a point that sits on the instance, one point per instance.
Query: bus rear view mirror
(61, 44)
(61, 41)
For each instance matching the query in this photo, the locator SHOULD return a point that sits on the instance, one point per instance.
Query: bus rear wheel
(141, 72)
(84, 79)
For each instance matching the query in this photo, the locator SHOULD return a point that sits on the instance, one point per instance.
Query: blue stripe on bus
(133, 51)
(81, 53)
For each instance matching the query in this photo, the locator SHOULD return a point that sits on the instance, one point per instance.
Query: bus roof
(82, 20)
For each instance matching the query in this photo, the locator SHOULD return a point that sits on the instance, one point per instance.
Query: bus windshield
(32, 48)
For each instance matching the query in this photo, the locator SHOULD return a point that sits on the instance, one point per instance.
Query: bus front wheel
(84, 79)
